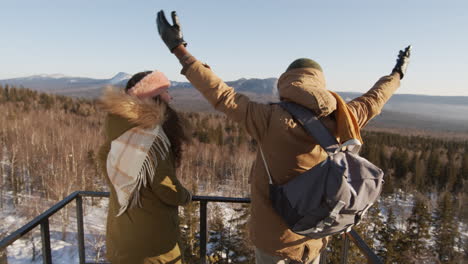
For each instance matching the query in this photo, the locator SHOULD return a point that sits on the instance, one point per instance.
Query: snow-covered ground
(64, 245)
(402, 204)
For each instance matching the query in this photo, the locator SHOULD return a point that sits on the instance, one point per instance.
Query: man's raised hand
(170, 34)
(402, 61)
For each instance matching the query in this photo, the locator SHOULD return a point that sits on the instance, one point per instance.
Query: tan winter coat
(288, 149)
(149, 234)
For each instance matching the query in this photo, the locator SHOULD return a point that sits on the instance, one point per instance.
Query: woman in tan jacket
(288, 149)
(139, 157)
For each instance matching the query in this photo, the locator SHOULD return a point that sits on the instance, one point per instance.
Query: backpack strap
(270, 180)
(312, 125)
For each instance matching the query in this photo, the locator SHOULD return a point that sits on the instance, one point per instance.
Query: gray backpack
(332, 196)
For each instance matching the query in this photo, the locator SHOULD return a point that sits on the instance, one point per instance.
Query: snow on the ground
(401, 203)
(64, 246)
(21, 251)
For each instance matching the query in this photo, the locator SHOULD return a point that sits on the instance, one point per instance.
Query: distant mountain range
(92, 88)
(446, 113)
(67, 85)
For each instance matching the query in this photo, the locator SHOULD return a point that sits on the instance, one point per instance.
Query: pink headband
(151, 85)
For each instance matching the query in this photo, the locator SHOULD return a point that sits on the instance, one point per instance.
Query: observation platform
(43, 221)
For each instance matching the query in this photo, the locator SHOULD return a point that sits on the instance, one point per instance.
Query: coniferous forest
(48, 147)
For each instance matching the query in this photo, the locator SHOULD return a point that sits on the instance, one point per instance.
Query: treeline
(27, 100)
(429, 234)
(49, 145)
(419, 163)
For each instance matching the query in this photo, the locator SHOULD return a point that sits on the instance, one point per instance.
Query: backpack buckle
(336, 210)
(328, 221)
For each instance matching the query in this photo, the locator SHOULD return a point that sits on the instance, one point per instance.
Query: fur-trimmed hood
(145, 113)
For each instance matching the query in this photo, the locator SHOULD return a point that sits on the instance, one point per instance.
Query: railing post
(323, 257)
(344, 256)
(203, 231)
(80, 228)
(363, 247)
(45, 235)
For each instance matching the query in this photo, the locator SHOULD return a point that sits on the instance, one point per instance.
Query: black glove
(402, 61)
(171, 35)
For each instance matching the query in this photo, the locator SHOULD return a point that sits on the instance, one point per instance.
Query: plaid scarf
(132, 162)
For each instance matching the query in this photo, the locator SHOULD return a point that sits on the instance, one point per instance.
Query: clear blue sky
(356, 41)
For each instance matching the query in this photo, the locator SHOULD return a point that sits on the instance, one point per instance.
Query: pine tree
(220, 239)
(464, 167)
(392, 240)
(450, 171)
(216, 239)
(446, 229)
(335, 249)
(369, 229)
(399, 162)
(190, 236)
(417, 232)
(384, 161)
(389, 184)
(242, 250)
(373, 154)
(418, 174)
(434, 167)
(373, 223)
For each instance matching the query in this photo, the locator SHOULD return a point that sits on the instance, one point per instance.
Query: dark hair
(173, 125)
(135, 79)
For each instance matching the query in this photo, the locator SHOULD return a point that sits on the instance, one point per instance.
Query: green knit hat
(304, 63)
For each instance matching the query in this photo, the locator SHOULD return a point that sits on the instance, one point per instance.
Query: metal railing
(43, 221)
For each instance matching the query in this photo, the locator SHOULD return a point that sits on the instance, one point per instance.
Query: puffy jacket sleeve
(167, 187)
(171, 192)
(370, 104)
(254, 117)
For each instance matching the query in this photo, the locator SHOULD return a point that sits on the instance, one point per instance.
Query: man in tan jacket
(288, 149)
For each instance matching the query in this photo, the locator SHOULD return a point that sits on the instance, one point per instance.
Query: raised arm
(251, 115)
(370, 104)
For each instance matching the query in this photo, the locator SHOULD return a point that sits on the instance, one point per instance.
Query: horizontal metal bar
(220, 199)
(51, 211)
(363, 247)
(194, 198)
(93, 194)
(36, 221)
